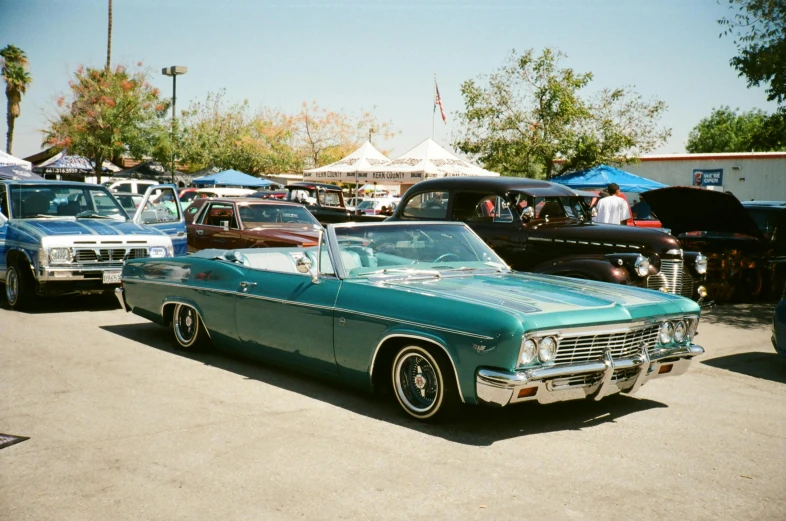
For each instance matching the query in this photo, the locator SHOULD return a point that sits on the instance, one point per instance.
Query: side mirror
(594, 212)
(528, 213)
(304, 265)
(225, 225)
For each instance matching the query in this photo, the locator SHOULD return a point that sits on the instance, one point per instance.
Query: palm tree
(16, 81)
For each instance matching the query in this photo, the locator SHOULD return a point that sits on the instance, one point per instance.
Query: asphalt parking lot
(122, 426)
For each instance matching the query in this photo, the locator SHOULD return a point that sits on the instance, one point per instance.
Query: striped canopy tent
(427, 160)
(346, 170)
(9, 160)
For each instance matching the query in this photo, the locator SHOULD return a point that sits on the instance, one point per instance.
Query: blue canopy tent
(231, 178)
(600, 176)
(18, 172)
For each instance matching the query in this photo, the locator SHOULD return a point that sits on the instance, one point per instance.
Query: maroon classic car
(234, 223)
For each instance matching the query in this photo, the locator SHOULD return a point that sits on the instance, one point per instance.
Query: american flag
(438, 101)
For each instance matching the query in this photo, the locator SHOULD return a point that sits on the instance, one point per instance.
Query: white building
(752, 175)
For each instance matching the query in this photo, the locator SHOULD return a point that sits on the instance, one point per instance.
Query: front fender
(594, 269)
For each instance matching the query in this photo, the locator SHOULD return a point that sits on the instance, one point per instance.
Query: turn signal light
(528, 391)
(665, 369)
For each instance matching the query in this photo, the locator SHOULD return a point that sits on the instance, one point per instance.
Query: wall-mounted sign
(704, 177)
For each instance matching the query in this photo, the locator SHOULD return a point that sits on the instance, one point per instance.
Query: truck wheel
(19, 286)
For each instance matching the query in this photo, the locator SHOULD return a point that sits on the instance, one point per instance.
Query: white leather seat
(272, 261)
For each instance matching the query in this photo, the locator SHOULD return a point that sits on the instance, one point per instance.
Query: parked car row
(433, 305)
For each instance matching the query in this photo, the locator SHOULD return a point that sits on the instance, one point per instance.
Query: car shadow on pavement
(740, 315)
(478, 426)
(71, 304)
(768, 366)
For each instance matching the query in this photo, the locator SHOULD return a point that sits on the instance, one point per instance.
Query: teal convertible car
(426, 310)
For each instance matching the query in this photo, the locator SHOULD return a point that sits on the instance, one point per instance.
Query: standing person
(612, 209)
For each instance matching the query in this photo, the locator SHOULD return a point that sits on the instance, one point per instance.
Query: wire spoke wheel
(12, 287)
(186, 325)
(419, 382)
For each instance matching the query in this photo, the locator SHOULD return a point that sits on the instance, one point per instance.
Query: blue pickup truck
(69, 237)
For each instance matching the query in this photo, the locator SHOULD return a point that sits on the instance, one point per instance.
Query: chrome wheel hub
(416, 383)
(420, 381)
(189, 321)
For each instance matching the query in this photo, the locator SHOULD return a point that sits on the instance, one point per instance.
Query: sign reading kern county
(708, 177)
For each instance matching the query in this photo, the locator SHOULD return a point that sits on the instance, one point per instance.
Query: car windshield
(406, 249)
(42, 201)
(261, 215)
(366, 204)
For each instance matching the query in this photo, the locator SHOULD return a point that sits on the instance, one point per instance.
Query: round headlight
(680, 330)
(548, 349)
(701, 264)
(528, 351)
(642, 266)
(666, 333)
(60, 255)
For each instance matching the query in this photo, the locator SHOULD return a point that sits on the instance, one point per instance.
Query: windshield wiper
(468, 268)
(92, 215)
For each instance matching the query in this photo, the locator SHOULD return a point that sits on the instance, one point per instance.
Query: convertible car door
(282, 314)
(165, 214)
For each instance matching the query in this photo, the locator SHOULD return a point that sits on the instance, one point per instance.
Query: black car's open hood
(687, 209)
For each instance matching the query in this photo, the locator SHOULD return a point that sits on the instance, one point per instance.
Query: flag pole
(434, 111)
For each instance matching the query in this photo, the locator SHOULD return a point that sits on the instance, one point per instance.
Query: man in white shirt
(612, 209)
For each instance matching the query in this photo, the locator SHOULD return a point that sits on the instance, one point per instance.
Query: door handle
(245, 285)
(199, 232)
(181, 234)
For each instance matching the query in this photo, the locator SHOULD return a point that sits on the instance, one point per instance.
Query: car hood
(294, 235)
(688, 209)
(549, 301)
(51, 227)
(625, 238)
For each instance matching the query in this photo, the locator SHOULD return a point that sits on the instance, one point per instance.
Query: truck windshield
(41, 201)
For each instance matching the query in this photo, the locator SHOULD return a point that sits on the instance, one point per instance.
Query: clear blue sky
(359, 54)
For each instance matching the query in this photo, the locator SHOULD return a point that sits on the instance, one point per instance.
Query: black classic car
(326, 203)
(745, 242)
(545, 227)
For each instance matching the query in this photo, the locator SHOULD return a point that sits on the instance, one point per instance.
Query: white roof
(425, 161)
(9, 160)
(344, 170)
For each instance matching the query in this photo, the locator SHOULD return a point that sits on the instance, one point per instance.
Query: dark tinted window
(427, 205)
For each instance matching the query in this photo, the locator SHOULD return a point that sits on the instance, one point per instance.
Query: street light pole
(174, 71)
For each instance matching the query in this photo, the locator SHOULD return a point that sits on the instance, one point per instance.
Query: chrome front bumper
(75, 274)
(121, 298)
(576, 381)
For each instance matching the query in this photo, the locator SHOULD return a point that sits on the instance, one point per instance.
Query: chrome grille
(672, 276)
(622, 345)
(85, 255)
(108, 255)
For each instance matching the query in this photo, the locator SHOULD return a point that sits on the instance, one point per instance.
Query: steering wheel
(444, 256)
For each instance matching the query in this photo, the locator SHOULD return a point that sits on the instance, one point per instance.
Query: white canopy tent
(427, 160)
(346, 170)
(9, 160)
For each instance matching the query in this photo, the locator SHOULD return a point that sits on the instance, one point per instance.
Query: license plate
(112, 277)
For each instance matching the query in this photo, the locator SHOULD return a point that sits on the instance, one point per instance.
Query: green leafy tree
(529, 118)
(759, 31)
(108, 114)
(323, 136)
(16, 81)
(231, 136)
(727, 130)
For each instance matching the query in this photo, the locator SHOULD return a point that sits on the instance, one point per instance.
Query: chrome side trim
(316, 306)
(418, 324)
(423, 339)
